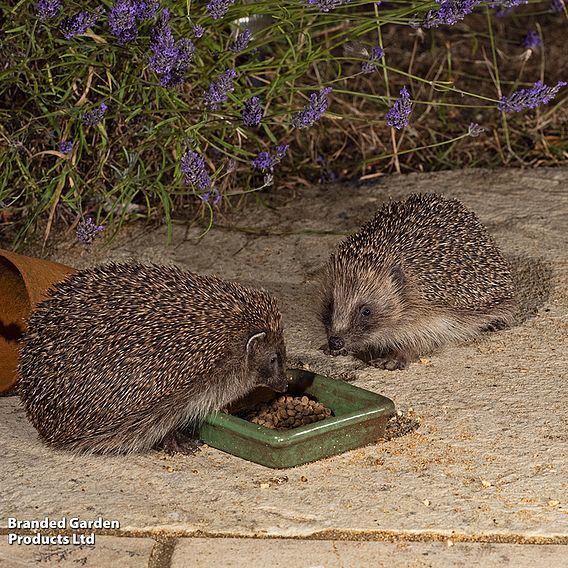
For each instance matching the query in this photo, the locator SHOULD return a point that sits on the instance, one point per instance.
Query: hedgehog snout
(336, 343)
(280, 384)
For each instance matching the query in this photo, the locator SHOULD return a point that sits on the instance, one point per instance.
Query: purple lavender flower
(252, 112)
(198, 31)
(474, 130)
(372, 64)
(532, 41)
(557, 6)
(170, 59)
(327, 5)
(241, 41)
(505, 6)
(214, 193)
(312, 112)
(122, 20)
(90, 118)
(449, 13)
(281, 151)
(397, 116)
(147, 9)
(219, 90)
(194, 170)
(87, 232)
(218, 8)
(125, 14)
(538, 94)
(48, 9)
(265, 162)
(327, 175)
(65, 146)
(80, 23)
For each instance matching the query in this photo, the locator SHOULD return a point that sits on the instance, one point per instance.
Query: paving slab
(489, 462)
(107, 551)
(278, 553)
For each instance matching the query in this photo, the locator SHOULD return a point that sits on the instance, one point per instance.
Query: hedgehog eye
(274, 359)
(365, 311)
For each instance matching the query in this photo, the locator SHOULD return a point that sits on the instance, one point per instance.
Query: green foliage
(128, 164)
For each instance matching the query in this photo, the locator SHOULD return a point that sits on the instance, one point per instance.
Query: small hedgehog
(123, 357)
(422, 273)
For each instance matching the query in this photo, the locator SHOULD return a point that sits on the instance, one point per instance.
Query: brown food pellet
(286, 412)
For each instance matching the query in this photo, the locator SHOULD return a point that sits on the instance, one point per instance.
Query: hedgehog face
(266, 361)
(358, 312)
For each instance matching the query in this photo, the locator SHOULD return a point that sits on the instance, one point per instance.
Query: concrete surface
(276, 553)
(488, 464)
(279, 553)
(107, 551)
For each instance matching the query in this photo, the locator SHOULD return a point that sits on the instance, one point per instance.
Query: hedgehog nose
(335, 343)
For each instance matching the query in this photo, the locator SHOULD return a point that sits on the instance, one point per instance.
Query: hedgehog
(422, 273)
(126, 357)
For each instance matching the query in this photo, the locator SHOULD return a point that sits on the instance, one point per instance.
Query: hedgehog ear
(253, 338)
(397, 275)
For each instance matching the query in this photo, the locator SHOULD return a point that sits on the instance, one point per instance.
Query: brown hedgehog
(422, 273)
(122, 357)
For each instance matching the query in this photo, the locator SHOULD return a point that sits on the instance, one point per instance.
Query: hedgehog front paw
(333, 352)
(179, 442)
(389, 364)
(495, 325)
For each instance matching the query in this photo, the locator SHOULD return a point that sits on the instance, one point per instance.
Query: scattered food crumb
(276, 480)
(425, 361)
(486, 483)
(553, 503)
(303, 478)
(402, 423)
(426, 502)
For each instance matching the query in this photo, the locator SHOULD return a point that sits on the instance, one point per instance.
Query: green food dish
(359, 418)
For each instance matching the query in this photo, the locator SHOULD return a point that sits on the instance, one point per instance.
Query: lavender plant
(399, 113)
(157, 104)
(241, 42)
(47, 9)
(532, 40)
(538, 94)
(79, 23)
(65, 146)
(252, 112)
(87, 232)
(219, 90)
(313, 111)
(90, 118)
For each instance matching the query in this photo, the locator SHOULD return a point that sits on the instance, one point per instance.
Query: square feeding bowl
(359, 418)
